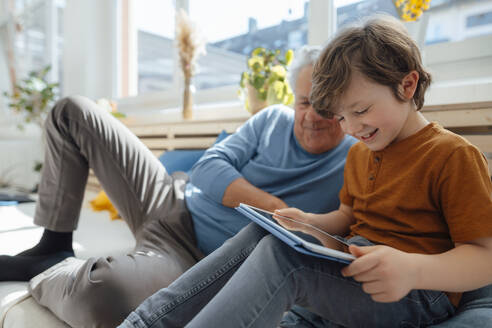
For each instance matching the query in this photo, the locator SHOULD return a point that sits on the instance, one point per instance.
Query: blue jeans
(475, 310)
(254, 277)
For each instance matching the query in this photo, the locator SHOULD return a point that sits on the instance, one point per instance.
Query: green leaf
(258, 81)
(38, 166)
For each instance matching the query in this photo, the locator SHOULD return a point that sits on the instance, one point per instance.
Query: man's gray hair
(304, 56)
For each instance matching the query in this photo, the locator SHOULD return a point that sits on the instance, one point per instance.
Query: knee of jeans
(271, 242)
(253, 230)
(62, 112)
(248, 236)
(74, 108)
(273, 251)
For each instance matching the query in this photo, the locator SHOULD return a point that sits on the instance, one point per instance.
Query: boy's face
(371, 113)
(314, 133)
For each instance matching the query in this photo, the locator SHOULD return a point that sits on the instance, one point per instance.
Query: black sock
(51, 242)
(53, 247)
(23, 268)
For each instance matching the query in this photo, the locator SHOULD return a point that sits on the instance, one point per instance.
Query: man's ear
(409, 84)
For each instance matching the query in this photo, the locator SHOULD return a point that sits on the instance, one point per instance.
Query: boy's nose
(351, 126)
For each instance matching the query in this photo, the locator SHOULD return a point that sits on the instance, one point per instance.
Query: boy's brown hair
(381, 49)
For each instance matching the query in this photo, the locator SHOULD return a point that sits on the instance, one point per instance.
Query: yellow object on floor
(102, 203)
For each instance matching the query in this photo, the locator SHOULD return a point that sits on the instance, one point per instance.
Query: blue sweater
(266, 153)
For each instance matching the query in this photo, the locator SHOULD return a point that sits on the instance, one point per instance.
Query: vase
(255, 104)
(187, 100)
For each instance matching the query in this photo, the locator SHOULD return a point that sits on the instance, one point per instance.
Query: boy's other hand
(386, 274)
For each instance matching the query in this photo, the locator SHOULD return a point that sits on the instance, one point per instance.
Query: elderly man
(280, 157)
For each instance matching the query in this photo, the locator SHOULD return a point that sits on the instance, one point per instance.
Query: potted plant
(33, 97)
(265, 82)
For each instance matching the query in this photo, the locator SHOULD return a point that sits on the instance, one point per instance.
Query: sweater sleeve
(221, 164)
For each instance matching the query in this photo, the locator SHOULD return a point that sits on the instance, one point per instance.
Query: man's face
(314, 133)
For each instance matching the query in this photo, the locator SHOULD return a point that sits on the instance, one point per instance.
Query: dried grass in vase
(190, 46)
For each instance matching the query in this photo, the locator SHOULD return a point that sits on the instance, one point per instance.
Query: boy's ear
(409, 84)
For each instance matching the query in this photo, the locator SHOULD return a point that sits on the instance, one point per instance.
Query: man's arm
(241, 191)
(218, 173)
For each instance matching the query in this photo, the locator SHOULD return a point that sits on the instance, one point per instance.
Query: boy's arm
(388, 274)
(337, 222)
(464, 268)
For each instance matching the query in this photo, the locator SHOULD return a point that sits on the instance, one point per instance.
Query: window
(241, 26)
(479, 20)
(231, 37)
(454, 20)
(154, 20)
(35, 30)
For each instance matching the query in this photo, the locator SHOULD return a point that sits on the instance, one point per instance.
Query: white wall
(462, 71)
(90, 54)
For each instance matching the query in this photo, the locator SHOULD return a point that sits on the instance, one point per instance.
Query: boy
(416, 200)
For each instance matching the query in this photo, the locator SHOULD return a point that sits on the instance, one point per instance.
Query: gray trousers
(101, 292)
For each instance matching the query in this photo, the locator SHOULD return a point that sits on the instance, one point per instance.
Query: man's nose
(312, 115)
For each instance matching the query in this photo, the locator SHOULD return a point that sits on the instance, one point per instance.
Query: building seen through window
(447, 20)
(230, 39)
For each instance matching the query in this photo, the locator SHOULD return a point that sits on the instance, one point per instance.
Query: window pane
(280, 24)
(452, 20)
(30, 47)
(154, 21)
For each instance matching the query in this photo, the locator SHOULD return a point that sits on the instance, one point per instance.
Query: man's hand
(386, 274)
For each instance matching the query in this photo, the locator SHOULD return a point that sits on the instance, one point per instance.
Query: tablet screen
(306, 237)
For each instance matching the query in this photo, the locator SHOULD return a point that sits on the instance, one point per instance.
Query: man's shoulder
(275, 116)
(277, 111)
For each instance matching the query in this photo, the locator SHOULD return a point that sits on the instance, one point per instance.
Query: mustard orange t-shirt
(421, 194)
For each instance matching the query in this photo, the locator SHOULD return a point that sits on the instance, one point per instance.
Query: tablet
(265, 220)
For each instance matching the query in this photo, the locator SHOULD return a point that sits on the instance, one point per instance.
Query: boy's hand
(293, 213)
(386, 274)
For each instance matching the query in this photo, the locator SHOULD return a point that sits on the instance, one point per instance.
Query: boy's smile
(370, 112)
(369, 136)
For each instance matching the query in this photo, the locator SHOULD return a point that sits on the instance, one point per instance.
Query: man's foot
(23, 268)
(53, 247)
(51, 242)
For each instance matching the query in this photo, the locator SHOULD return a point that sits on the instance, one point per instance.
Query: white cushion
(95, 236)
